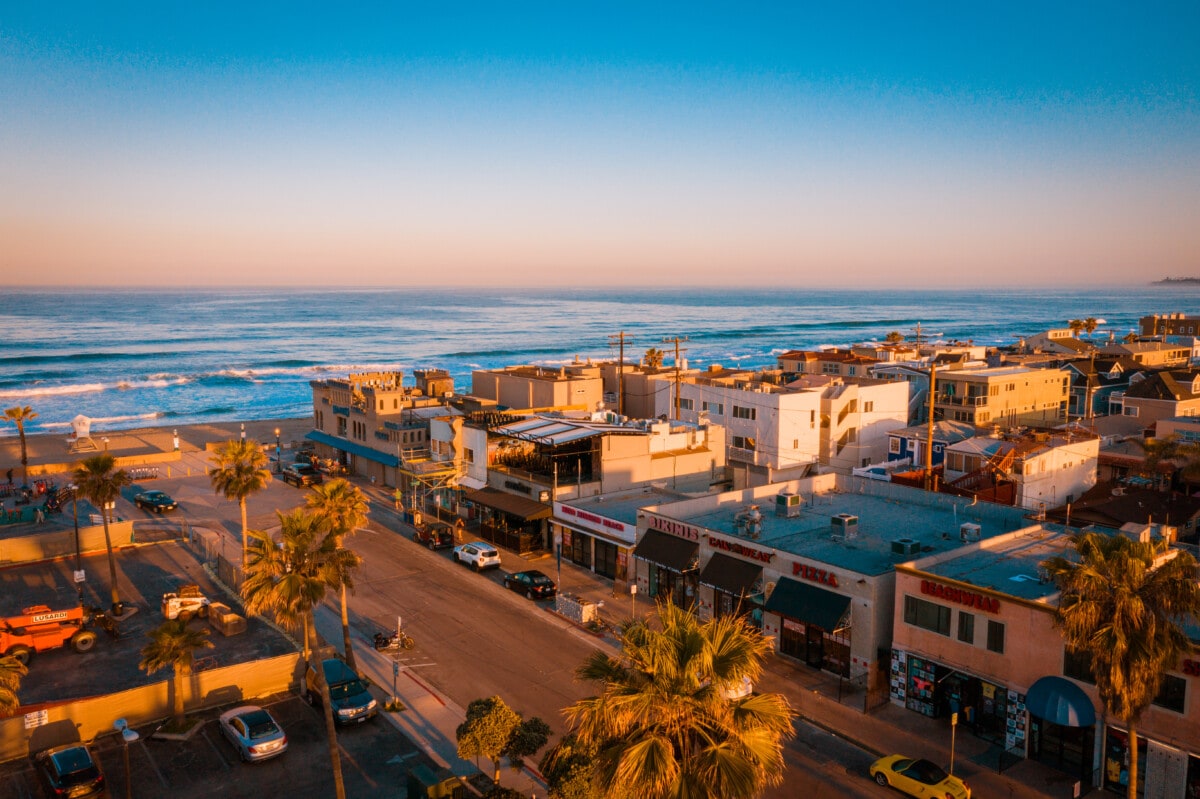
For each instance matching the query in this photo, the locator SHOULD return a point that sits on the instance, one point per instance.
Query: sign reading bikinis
(961, 596)
(672, 527)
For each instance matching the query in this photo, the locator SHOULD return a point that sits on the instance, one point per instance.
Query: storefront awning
(1061, 701)
(667, 550)
(511, 504)
(808, 603)
(470, 482)
(731, 575)
(358, 450)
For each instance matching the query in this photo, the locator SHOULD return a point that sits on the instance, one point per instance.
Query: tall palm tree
(98, 483)
(1076, 325)
(1090, 324)
(240, 470)
(1182, 457)
(288, 580)
(344, 507)
(662, 724)
(1119, 605)
(173, 645)
(11, 672)
(19, 416)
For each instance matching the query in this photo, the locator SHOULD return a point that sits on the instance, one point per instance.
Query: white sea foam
(52, 391)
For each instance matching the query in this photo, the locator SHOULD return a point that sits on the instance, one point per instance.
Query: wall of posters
(1015, 721)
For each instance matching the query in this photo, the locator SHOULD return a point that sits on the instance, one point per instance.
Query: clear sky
(826, 144)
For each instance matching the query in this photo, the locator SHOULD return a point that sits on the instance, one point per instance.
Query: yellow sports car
(918, 778)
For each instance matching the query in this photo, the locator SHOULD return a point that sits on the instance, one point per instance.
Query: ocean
(170, 357)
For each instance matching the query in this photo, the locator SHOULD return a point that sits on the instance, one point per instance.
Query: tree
(494, 730)
(240, 470)
(1130, 338)
(19, 416)
(895, 337)
(1170, 455)
(1090, 324)
(1076, 325)
(663, 726)
(288, 580)
(344, 507)
(173, 645)
(567, 768)
(1119, 605)
(653, 358)
(99, 484)
(11, 672)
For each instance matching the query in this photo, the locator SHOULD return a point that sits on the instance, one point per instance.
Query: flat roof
(1011, 565)
(885, 512)
(623, 506)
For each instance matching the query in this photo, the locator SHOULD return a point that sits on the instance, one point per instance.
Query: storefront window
(926, 615)
(606, 558)
(1116, 762)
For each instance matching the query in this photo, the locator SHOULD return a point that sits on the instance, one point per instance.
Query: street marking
(153, 765)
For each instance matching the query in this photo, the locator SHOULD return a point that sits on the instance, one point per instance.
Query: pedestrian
(38, 516)
(10, 476)
(397, 497)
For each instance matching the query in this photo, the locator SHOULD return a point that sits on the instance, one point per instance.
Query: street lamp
(243, 431)
(128, 735)
(278, 460)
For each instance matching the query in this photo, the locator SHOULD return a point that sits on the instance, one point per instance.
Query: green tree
(1169, 454)
(494, 730)
(567, 768)
(1090, 324)
(99, 484)
(19, 416)
(895, 337)
(11, 672)
(240, 470)
(653, 358)
(663, 726)
(1130, 338)
(344, 508)
(288, 580)
(1119, 605)
(1076, 325)
(173, 645)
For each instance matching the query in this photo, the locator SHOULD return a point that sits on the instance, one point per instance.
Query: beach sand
(54, 449)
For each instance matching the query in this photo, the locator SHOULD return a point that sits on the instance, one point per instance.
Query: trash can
(424, 783)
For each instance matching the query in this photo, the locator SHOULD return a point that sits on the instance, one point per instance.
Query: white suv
(477, 555)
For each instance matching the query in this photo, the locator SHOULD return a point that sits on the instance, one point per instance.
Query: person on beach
(10, 476)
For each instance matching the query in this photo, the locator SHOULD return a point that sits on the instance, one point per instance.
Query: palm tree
(1130, 338)
(1120, 604)
(11, 672)
(239, 470)
(344, 507)
(895, 337)
(1076, 325)
(663, 725)
(288, 580)
(1170, 454)
(1090, 324)
(173, 645)
(19, 416)
(98, 483)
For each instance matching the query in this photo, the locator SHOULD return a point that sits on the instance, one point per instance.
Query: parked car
(478, 555)
(352, 702)
(157, 501)
(70, 771)
(300, 475)
(435, 535)
(918, 777)
(533, 584)
(253, 733)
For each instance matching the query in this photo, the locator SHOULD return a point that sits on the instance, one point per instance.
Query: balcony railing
(952, 399)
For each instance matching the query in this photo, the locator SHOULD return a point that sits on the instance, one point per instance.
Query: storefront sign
(961, 596)
(593, 520)
(672, 527)
(814, 574)
(740, 549)
(1191, 668)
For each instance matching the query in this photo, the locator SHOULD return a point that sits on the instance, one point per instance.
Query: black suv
(301, 474)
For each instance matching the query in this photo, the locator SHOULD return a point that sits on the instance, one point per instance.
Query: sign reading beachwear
(815, 575)
(1191, 668)
(961, 596)
(672, 527)
(740, 549)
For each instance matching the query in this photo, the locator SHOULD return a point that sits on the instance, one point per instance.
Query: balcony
(976, 401)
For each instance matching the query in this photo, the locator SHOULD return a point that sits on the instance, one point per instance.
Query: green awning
(731, 575)
(359, 450)
(673, 553)
(808, 603)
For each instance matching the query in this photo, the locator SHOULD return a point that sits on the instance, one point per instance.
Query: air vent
(788, 504)
(844, 526)
(969, 531)
(905, 546)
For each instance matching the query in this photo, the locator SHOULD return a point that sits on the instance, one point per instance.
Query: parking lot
(376, 760)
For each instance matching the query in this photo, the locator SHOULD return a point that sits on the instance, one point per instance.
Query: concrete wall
(85, 719)
(61, 543)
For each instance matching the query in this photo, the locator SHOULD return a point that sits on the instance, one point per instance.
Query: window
(966, 627)
(714, 407)
(1130, 410)
(926, 615)
(894, 445)
(869, 406)
(743, 442)
(1078, 666)
(685, 404)
(995, 636)
(468, 454)
(1172, 693)
(744, 413)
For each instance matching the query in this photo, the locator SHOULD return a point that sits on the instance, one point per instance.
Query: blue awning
(353, 448)
(1061, 701)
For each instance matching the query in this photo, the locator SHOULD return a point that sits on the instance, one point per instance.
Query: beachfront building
(811, 562)
(1005, 396)
(911, 444)
(1034, 470)
(1150, 353)
(974, 635)
(1060, 341)
(1094, 381)
(515, 467)
(1173, 324)
(371, 424)
(1152, 397)
(837, 362)
(575, 386)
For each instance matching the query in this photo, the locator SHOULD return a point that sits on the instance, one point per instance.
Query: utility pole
(929, 431)
(676, 341)
(620, 339)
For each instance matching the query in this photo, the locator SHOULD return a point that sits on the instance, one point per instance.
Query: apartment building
(837, 362)
(1173, 324)
(1151, 353)
(1037, 470)
(1155, 396)
(1004, 396)
(577, 386)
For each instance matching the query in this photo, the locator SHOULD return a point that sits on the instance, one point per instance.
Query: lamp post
(278, 460)
(129, 736)
(78, 553)
(243, 431)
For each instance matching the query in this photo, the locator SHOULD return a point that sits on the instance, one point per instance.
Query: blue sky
(583, 144)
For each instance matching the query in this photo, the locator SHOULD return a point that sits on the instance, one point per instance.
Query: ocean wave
(53, 391)
(152, 382)
(507, 352)
(82, 357)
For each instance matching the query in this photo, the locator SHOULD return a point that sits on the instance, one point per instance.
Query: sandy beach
(145, 441)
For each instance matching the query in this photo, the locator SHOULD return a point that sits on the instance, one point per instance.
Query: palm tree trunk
(1133, 763)
(181, 673)
(346, 632)
(335, 757)
(112, 565)
(24, 455)
(245, 527)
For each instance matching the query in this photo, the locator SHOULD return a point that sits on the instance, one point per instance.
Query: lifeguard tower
(80, 439)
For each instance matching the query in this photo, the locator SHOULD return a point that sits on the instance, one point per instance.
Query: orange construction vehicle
(39, 628)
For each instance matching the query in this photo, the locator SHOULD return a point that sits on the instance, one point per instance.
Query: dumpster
(424, 783)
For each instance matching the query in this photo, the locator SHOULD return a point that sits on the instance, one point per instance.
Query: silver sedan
(253, 733)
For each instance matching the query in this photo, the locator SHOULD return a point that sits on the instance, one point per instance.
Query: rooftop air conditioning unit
(906, 546)
(845, 526)
(788, 504)
(969, 531)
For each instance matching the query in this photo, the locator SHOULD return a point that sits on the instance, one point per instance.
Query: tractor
(39, 628)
